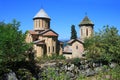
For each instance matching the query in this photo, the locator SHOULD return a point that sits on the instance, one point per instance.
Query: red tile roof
(32, 32)
(50, 33)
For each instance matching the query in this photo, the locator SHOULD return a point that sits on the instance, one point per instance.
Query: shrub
(76, 61)
(104, 45)
(52, 74)
(52, 57)
(24, 74)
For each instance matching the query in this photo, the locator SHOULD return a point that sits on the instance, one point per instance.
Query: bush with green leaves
(52, 74)
(12, 42)
(24, 74)
(104, 45)
(111, 74)
(52, 57)
(12, 45)
(76, 61)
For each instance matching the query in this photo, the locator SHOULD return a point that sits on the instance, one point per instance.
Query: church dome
(86, 21)
(41, 14)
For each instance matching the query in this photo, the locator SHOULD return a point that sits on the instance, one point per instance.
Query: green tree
(93, 47)
(104, 45)
(15, 52)
(111, 41)
(73, 32)
(12, 43)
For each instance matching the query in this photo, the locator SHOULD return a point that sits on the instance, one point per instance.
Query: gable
(74, 40)
(76, 43)
(50, 33)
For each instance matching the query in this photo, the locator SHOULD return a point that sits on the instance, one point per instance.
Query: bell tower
(86, 28)
(41, 21)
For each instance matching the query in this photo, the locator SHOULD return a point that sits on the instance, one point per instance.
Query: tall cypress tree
(73, 32)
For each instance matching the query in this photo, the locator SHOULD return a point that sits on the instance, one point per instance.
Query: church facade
(75, 47)
(45, 40)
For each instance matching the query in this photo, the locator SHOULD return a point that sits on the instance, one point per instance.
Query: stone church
(75, 48)
(45, 40)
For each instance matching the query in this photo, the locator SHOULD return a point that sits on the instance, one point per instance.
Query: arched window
(49, 49)
(36, 23)
(76, 47)
(87, 32)
(39, 22)
(42, 23)
(81, 32)
(53, 48)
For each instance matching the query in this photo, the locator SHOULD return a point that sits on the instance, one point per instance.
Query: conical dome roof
(41, 14)
(86, 21)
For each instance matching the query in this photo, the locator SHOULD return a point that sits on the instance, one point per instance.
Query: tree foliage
(12, 42)
(104, 45)
(73, 32)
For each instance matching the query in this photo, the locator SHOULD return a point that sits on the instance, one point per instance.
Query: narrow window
(39, 23)
(81, 32)
(76, 47)
(36, 23)
(42, 23)
(48, 24)
(53, 48)
(87, 32)
(49, 49)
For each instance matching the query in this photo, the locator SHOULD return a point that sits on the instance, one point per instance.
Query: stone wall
(68, 69)
(73, 69)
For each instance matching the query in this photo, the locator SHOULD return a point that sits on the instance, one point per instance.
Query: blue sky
(63, 13)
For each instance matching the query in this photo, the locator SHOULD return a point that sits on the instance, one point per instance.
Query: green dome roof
(86, 21)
